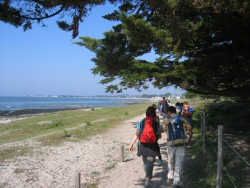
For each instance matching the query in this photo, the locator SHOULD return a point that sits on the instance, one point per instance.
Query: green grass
(13, 151)
(201, 171)
(72, 125)
(110, 165)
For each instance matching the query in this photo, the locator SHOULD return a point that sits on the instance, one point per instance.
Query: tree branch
(44, 17)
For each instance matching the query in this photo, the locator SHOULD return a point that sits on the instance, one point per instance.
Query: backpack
(149, 134)
(176, 129)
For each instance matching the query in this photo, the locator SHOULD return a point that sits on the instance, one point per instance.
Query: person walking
(157, 118)
(159, 108)
(178, 108)
(176, 144)
(187, 115)
(164, 108)
(148, 132)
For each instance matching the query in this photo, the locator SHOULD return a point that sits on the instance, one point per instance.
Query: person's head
(150, 111)
(177, 104)
(185, 103)
(178, 109)
(171, 110)
(154, 105)
(163, 98)
(186, 107)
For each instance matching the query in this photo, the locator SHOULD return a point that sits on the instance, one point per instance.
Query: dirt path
(97, 159)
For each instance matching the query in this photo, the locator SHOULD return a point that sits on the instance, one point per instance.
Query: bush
(66, 134)
(88, 123)
(230, 113)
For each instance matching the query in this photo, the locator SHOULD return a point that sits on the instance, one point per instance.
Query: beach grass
(72, 121)
(58, 127)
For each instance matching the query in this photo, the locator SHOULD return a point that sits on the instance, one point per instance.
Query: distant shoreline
(10, 107)
(12, 113)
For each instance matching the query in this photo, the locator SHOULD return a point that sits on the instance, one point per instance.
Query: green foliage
(192, 39)
(91, 185)
(37, 126)
(104, 125)
(197, 176)
(33, 127)
(88, 123)
(7, 153)
(192, 95)
(201, 170)
(202, 46)
(22, 13)
(110, 165)
(66, 133)
(230, 113)
(54, 124)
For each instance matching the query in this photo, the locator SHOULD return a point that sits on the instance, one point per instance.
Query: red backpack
(149, 132)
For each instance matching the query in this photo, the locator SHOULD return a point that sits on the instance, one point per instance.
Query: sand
(97, 159)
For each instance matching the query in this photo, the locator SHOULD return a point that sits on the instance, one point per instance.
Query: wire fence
(234, 169)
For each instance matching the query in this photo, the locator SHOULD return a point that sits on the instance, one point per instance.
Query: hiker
(176, 144)
(148, 132)
(159, 108)
(164, 108)
(178, 107)
(157, 113)
(187, 114)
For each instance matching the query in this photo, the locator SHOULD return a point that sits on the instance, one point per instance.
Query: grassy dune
(73, 123)
(55, 128)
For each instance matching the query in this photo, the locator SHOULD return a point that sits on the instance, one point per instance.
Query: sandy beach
(97, 159)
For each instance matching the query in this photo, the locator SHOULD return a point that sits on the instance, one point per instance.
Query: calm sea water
(21, 103)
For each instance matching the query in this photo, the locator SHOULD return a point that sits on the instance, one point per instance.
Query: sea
(57, 102)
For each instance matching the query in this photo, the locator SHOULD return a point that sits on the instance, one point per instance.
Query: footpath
(97, 159)
(130, 174)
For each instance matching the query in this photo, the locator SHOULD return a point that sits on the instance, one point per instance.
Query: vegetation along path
(96, 158)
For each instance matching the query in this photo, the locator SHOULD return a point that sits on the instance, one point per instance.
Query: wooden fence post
(201, 122)
(122, 153)
(78, 180)
(204, 137)
(220, 156)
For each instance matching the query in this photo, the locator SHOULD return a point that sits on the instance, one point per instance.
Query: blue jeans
(148, 163)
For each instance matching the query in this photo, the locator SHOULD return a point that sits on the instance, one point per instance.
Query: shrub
(66, 134)
(88, 123)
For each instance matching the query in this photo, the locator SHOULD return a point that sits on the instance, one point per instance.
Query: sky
(45, 60)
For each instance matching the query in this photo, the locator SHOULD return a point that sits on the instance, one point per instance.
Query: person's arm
(183, 112)
(191, 111)
(187, 125)
(159, 130)
(136, 136)
(159, 135)
(165, 125)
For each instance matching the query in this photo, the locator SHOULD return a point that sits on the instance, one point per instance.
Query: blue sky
(45, 61)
